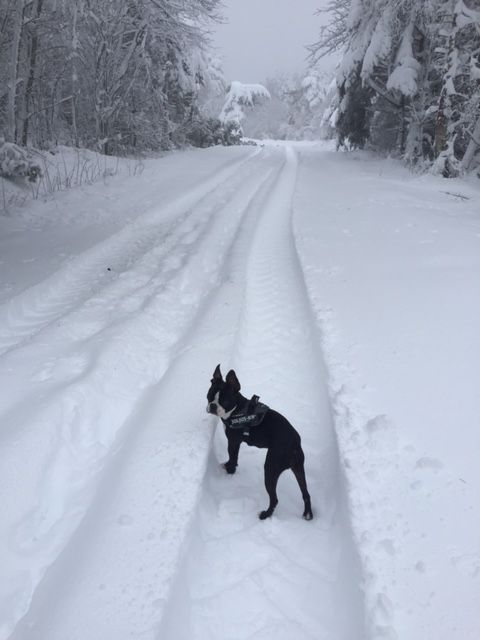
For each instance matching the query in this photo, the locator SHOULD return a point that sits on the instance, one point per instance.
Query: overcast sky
(263, 37)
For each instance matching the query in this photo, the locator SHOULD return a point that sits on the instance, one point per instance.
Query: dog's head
(223, 395)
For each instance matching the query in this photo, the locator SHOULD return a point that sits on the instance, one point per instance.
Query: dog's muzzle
(212, 408)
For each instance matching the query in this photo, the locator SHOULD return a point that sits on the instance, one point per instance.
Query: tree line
(409, 78)
(113, 75)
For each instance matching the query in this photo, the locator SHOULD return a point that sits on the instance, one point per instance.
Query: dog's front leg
(234, 442)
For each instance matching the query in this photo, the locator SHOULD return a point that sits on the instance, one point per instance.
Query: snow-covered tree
(240, 97)
(295, 110)
(409, 78)
(458, 61)
(334, 34)
(269, 119)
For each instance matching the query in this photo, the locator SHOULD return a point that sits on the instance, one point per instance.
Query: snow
(380, 44)
(404, 76)
(344, 291)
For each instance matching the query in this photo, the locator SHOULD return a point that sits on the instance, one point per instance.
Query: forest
(409, 78)
(116, 76)
(134, 76)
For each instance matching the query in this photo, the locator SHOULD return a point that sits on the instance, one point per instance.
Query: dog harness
(251, 415)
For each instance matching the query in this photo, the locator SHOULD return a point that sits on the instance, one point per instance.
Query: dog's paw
(308, 515)
(263, 515)
(229, 467)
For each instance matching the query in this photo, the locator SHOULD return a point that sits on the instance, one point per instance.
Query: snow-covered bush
(233, 133)
(207, 132)
(204, 133)
(15, 162)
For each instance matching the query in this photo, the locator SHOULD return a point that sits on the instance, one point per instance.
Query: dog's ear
(217, 374)
(232, 380)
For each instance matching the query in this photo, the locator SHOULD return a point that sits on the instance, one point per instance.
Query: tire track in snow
(84, 276)
(105, 310)
(283, 578)
(83, 418)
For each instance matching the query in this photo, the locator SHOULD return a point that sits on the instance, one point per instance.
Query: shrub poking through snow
(15, 162)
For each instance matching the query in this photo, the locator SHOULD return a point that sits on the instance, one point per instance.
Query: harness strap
(251, 415)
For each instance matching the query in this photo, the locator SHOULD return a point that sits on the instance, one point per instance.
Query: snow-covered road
(117, 520)
(122, 341)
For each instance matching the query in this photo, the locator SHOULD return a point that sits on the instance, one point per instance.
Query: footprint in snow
(66, 368)
(429, 463)
(381, 434)
(468, 564)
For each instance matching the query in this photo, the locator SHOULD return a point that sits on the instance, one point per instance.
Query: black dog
(256, 424)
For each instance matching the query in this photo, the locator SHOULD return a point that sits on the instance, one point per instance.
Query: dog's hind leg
(299, 472)
(272, 473)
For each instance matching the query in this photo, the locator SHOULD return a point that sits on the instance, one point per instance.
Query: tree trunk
(14, 64)
(32, 63)
(443, 124)
(473, 146)
(441, 128)
(75, 72)
(403, 126)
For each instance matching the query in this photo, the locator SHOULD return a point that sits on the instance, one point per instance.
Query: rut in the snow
(282, 578)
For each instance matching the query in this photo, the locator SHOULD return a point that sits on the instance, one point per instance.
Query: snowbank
(392, 263)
